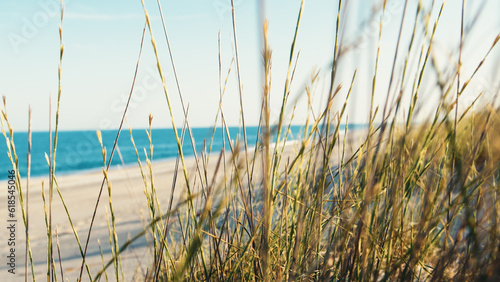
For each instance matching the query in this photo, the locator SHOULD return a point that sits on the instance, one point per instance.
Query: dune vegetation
(403, 199)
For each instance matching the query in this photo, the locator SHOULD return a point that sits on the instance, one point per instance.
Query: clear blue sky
(102, 42)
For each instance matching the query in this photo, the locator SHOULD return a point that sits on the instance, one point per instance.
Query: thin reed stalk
(111, 154)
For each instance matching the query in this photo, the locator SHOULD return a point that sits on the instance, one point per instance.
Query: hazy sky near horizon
(102, 40)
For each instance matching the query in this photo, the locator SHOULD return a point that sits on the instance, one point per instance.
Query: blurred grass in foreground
(399, 201)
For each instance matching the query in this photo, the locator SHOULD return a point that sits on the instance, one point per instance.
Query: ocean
(80, 151)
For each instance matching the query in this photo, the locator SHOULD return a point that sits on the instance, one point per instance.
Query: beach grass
(403, 199)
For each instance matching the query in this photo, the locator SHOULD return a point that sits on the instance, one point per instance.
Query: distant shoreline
(80, 151)
(35, 181)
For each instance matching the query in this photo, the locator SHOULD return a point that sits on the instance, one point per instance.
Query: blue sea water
(80, 151)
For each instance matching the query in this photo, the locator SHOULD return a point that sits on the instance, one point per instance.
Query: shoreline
(113, 169)
(77, 159)
(79, 192)
(353, 135)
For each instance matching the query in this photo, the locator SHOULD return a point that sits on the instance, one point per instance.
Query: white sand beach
(79, 192)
